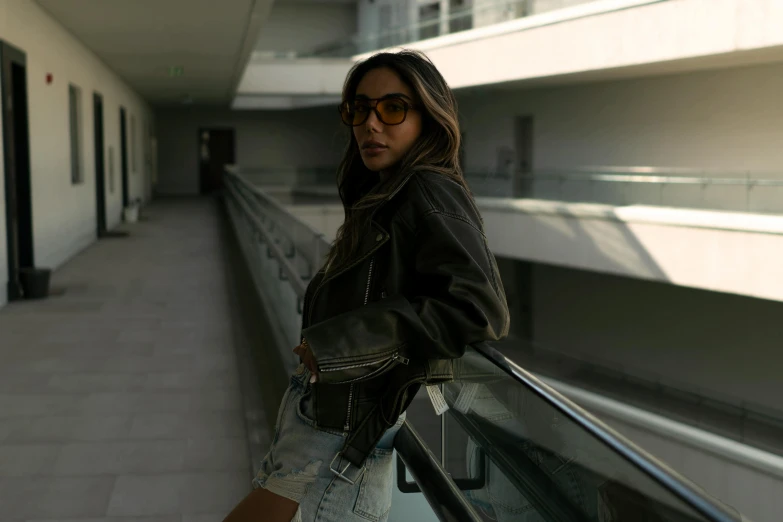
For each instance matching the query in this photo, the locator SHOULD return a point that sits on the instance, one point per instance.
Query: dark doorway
(124, 159)
(216, 150)
(100, 175)
(523, 148)
(16, 149)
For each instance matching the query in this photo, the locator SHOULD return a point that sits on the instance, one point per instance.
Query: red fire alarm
(48, 78)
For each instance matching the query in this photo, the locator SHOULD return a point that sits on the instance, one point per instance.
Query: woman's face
(381, 145)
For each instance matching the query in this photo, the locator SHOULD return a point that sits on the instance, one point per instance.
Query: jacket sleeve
(459, 301)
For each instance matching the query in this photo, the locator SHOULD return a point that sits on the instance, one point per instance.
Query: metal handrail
(440, 490)
(643, 175)
(319, 245)
(643, 461)
(297, 284)
(627, 175)
(235, 174)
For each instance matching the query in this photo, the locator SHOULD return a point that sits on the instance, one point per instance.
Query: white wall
(304, 138)
(302, 27)
(724, 119)
(726, 346)
(64, 215)
(719, 251)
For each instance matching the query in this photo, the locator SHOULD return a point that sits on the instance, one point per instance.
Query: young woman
(408, 283)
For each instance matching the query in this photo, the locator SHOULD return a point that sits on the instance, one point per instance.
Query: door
(16, 149)
(100, 174)
(523, 150)
(216, 150)
(124, 159)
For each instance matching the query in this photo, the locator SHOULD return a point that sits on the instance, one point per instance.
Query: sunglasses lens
(392, 111)
(349, 114)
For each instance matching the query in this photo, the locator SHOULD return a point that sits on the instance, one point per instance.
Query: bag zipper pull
(400, 358)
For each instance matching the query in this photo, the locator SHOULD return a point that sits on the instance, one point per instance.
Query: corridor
(120, 394)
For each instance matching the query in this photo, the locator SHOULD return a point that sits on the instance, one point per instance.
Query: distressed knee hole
(291, 485)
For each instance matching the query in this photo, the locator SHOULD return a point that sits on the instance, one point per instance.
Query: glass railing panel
(718, 412)
(520, 454)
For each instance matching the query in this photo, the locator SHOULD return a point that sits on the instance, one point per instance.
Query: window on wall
(429, 21)
(460, 15)
(387, 39)
(75, 120)
(133, 143)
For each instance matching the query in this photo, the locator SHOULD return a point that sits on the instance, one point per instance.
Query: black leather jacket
(423, 286)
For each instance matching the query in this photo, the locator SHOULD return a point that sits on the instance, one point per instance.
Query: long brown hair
(436, 150)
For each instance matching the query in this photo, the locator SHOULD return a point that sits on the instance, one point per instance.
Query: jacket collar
(407, 177)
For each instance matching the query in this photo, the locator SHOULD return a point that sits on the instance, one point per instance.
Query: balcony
(717, 233)
(570, 36)
(540, 42)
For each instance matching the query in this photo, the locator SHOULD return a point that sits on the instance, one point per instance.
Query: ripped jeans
(298, 464)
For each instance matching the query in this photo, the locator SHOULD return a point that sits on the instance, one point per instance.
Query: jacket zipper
(347, 426)
(350, 391)
(395, 356)
(369, 280)
(328, 278)
(386, 363)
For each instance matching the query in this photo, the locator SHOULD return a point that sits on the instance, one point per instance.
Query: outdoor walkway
(120, 397)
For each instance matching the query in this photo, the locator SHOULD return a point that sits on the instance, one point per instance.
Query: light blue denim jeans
(298, 465)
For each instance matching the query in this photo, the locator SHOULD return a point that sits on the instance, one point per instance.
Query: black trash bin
(35, 282)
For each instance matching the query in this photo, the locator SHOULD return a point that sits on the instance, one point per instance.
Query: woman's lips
(374, 150)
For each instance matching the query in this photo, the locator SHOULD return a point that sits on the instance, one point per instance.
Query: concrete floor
(120, 399)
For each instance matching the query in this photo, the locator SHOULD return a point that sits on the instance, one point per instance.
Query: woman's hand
(308, 359)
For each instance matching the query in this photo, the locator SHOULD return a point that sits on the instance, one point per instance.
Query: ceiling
(211, 40)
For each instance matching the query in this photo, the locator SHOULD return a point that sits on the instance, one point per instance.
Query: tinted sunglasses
(390, 111)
